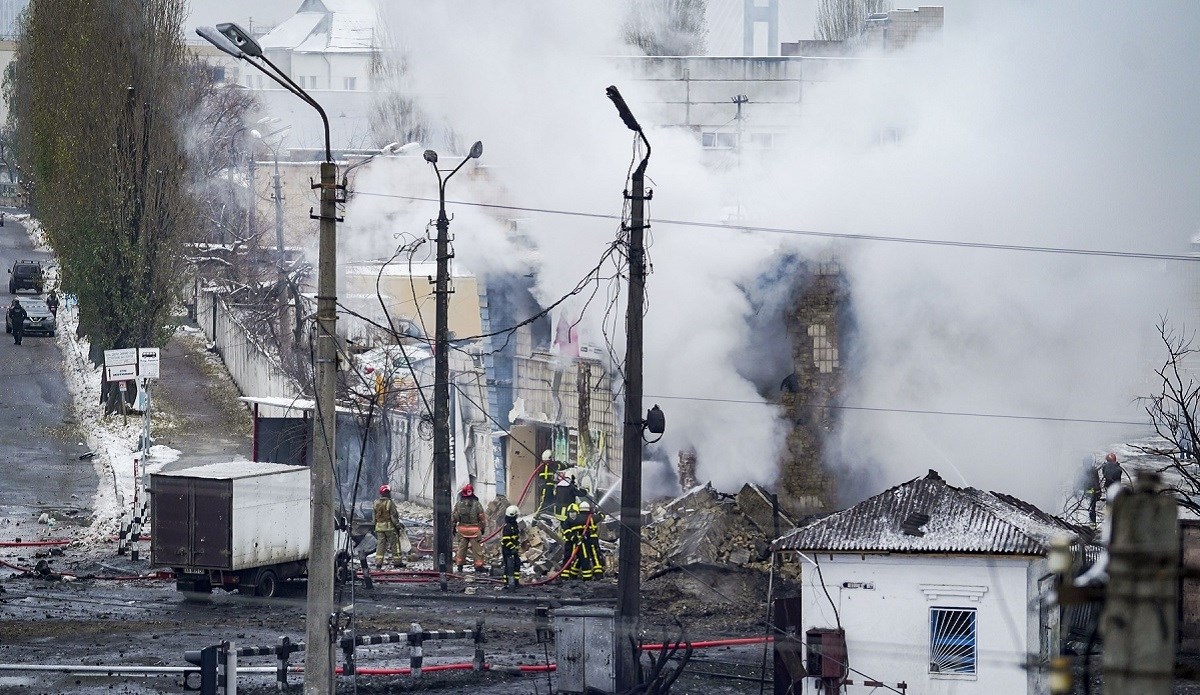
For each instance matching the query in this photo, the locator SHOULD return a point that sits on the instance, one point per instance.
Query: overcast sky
(260, 12)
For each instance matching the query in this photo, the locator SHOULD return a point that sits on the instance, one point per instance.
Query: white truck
(235, 525)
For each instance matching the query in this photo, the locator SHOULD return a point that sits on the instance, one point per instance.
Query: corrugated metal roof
(960, 520)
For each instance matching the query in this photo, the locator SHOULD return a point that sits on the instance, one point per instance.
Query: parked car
(39, 318)
(26, 275)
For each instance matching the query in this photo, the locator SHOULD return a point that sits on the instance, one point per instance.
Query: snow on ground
(114, 439)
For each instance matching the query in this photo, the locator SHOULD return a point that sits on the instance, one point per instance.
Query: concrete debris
(759, 507)
(704, 527)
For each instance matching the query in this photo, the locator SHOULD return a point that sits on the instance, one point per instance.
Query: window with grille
(952, 640)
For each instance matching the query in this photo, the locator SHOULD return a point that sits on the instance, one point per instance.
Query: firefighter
(1111, 471)
(547, 474)
(510, 547)
(469, 520)
(565, 495)
(16, 319)
(572, 532)
(591, 561)
(1110, 474)
(388, 529)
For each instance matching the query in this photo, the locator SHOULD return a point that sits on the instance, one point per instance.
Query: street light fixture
(319, 617)
(441, 371)
(392, 148)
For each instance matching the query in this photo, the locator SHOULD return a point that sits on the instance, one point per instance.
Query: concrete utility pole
(629, 562)
(1139, 619)
(443, 464)
(739, 100)
(251, 204)
(319, 617)
(278, 209)
(319, 657)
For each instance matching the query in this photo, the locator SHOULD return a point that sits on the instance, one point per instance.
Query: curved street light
(441, 371)
(319, 615)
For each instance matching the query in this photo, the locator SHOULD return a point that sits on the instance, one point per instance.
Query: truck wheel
(266, 584)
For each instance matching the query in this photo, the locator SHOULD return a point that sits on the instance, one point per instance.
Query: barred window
(952, 640)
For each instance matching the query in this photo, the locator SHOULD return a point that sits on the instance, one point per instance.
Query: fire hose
(32, 544)
(554, 575)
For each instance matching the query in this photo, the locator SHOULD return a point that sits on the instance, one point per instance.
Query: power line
(825, 235)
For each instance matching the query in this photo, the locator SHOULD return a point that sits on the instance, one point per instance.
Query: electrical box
(583, 639)
(826, 653)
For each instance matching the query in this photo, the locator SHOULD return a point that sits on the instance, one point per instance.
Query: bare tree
(394, 115)
(1173, 415)
(839, 20)
(668, 27)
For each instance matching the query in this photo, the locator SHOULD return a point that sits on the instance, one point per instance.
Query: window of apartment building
(952, 647)
(764, 141)
(350, 83)
(718, 140)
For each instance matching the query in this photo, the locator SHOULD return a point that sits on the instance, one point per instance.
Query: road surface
(39, 442)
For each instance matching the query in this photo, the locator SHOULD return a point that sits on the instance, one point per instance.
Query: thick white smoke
(1049, 126)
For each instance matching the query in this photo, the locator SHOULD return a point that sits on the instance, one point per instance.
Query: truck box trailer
(236, 525)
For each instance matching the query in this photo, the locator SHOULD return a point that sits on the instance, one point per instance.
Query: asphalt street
(39, 442)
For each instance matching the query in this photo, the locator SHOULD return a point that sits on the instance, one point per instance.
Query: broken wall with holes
(816, 328)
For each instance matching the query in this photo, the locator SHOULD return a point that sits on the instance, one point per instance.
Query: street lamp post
(629, 563)
(319, 617)
(442, 465)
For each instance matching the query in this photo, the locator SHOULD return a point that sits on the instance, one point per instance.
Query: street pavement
(39, 442)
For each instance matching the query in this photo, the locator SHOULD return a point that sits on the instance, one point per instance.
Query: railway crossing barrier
(219, 663)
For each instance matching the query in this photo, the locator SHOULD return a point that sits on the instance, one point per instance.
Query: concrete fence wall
(254, 369)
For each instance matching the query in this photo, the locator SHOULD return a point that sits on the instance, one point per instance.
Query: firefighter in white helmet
(510, 547)
(591, 560)
(547, 477)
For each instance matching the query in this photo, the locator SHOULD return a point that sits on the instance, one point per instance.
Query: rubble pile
(704, 527)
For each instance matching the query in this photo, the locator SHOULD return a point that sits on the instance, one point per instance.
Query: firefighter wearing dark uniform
(591, 562)
(572, 533)
(566, 493)
(469, 520)
(547, 476)
(510, 547)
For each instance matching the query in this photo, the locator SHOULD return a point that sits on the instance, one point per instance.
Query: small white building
(935, 589)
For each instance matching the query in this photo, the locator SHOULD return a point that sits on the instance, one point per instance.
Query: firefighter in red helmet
(469, 520)
(388, 529)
